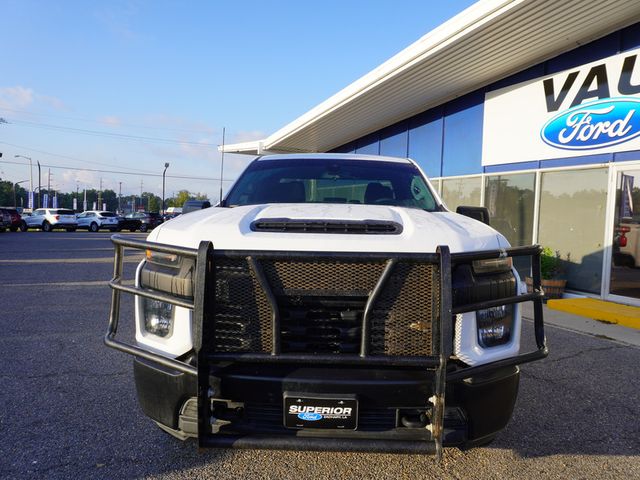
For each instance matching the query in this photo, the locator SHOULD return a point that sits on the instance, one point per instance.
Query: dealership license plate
(322, 411)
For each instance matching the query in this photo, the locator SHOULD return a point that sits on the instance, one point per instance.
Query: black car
(148, 220)
(128, 223)
(14, 219)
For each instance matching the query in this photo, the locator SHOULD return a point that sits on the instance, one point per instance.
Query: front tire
(144, 227)
(23, 226)
(46, 227)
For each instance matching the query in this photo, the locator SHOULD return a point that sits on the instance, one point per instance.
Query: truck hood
(421, 231)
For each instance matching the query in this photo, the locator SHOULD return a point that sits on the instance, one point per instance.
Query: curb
(600, 310)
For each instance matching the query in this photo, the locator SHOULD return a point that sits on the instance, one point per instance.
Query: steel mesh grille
(242, 312)
(339, 277)
(403, 315)
(321, 306)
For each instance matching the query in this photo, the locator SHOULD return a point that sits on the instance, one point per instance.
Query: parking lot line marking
(96, 283)
(128, 259)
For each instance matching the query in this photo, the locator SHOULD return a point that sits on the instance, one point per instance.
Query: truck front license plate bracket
(320, 411)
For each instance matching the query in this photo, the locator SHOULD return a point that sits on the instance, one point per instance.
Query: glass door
(625, 253)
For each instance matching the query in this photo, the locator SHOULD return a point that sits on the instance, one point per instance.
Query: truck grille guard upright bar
(203, 306)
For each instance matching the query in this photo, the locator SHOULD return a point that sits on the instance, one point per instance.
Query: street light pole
(30, 169)
(15, 201)
(166, 165)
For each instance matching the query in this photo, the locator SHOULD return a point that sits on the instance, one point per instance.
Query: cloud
(110, 120)
(16, 97)
(20, 97)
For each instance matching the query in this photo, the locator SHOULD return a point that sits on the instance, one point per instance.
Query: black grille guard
(202, 306)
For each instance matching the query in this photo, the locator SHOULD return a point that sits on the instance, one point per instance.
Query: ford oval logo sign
(594, 125)
(310, 417)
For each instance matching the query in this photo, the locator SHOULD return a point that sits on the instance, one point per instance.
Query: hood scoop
(358, 227)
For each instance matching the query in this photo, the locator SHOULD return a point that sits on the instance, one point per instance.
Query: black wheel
(143, 227)
(94, 227)
(46, 227)
(71, 229)
(23, 226)
(13, 229)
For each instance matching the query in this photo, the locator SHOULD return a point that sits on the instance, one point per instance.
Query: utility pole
(222, 164)
(119, 197)
(39, 185)
(100, 195)
(141, 197)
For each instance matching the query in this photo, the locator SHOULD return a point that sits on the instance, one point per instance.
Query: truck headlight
(494, 325)
(158, 317)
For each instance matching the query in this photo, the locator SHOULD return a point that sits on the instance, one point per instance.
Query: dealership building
(529, 108)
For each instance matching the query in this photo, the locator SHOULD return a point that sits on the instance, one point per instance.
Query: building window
(369, 145)
(425, 143)
(393, 141)
(572, 221)
(461, 191)
(510, 200)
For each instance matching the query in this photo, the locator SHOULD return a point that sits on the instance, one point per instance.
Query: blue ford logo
(594, 125)
(310, 417)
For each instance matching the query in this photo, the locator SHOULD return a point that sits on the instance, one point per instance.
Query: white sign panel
(30, 200)
(45, 200)
(55, 202)
(587, 110)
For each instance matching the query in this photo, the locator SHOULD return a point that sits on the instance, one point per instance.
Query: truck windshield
(332, 181)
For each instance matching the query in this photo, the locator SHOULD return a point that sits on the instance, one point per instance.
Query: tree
(6, 194)
(152, 202)
(183, 196)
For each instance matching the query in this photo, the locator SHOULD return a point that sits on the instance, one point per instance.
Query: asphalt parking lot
(68, 407)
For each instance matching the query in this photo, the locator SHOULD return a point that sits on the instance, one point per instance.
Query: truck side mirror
(477, 213)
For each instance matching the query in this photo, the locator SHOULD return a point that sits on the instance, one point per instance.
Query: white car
(94, 220)
(325, 304)
(48, 219)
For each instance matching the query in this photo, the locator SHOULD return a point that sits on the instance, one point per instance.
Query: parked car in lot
(128, 223)
(49, 219)
(14, 218)
(5, 221)
(94, 220)
(148, 220)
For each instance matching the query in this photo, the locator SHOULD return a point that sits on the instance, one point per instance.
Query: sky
(107, 92)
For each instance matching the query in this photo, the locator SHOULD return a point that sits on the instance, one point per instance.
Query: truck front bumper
(391, 402)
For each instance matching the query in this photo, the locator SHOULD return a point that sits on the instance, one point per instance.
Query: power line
(72, 158)
(102, 122)
(119, 136)
(63, 167)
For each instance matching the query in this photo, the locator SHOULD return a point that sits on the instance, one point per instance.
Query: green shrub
(551, 266)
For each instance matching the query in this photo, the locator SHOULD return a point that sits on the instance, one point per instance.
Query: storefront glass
(625, 262)
(572, 221)
(510, 200)
(461, 191)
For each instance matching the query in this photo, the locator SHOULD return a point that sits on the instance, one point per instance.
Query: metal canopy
(489, 41)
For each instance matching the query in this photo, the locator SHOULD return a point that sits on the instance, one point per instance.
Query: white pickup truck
(330, 302)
